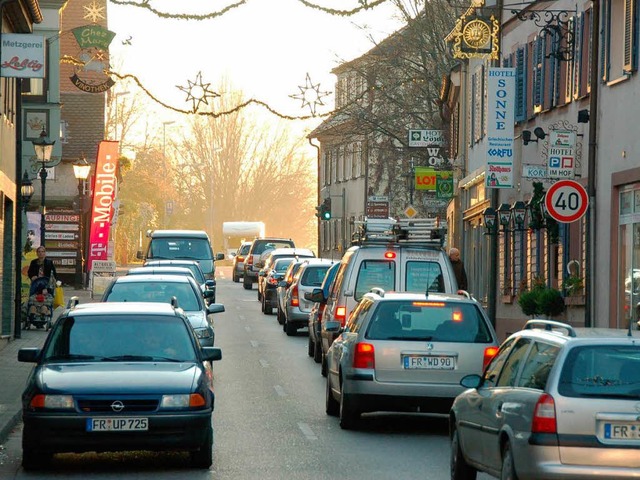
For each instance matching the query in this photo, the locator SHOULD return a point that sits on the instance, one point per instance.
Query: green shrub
(551, 302)
(528, 301)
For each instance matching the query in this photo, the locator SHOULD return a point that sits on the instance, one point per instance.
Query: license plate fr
(429, 362)
(622, 431)
(117, 424)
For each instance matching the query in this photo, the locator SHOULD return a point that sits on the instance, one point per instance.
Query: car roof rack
(406, 230)
(73, 301)
(549, 325)
(378, 291)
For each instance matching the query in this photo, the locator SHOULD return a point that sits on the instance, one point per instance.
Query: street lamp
(81, 171)
(26, 192)
(43, 148)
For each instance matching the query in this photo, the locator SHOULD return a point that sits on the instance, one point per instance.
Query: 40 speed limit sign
(566, 201)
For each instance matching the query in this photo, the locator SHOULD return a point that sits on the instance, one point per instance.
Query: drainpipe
(590, 241)
(317, 147)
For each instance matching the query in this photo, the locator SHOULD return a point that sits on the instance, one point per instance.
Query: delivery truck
(234, 233)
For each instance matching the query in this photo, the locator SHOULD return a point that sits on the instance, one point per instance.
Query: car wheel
(268, 309)
(246, 283)
(280, 316)
(259, 294)
(317, 352)
(332, 407)
(323, 364)
(235, 278)
(203, 457)
(508, 468)
(460, 469)
(262, 309)
(311, 346)
(290, 329)
(349, 414)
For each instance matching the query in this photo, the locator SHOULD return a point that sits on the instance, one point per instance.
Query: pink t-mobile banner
(104, 192)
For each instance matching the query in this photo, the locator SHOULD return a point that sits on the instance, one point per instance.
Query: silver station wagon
(405, 352)
(554, 403)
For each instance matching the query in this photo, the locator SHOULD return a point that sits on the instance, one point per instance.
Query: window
(514, 362)
(357, 316)
(422, 276)
(620, 46)
(375, 273)
(538, 365)
(340, 152)
(493, 369)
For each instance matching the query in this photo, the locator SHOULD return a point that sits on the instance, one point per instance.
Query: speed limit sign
(566, 201)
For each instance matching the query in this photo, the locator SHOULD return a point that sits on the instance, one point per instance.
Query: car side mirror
(334, 327)
(208, 294)
(211, 354)
(210, 283)
(215, 308)
(233, 254)
(28, 355)
(316, 295)
(219, 256)
(140, 255)
(471, 381)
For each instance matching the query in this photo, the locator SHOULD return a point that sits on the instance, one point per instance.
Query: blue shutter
(577, 55)
(521, 84)
(605, 40)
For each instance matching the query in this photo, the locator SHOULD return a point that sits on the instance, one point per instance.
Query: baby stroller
(40, 304)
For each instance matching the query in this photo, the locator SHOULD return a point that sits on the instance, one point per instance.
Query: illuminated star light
(198, 92)
(94, 12)
(310, 95)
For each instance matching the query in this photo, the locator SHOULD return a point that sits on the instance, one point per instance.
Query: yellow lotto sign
(425, 178)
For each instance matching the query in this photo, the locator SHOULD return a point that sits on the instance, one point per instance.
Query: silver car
(555, 403)
(237, 270)
(405, 352)
(296, 306)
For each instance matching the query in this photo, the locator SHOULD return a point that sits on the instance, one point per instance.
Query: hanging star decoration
(198, 92)
(94, 12)
(310, 95)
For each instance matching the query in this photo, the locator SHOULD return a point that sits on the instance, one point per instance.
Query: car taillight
(272, 281)
(544, 415)
(295, 301)
(341, 315)
(489, 353)
(240, 258)
(364, 356)
(250, 260)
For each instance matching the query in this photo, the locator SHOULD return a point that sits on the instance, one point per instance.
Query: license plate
(429, 362)
(117, 424)
(622, 431)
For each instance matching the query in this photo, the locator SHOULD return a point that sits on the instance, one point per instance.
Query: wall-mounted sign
(501, 99)
(93, 59)
(534, 171)
(378, 207)
(475, 37)
(561, 156)
(426, 138)
(22, 55)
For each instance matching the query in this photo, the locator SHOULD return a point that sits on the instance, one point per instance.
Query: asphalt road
(269, 419)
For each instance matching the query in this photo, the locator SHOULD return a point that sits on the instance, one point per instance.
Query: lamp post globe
(81, 171)
(43, 149)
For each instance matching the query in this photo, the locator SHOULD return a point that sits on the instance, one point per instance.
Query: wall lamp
(505, 216)
(583, 116)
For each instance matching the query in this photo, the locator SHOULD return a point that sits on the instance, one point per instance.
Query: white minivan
(399, 256)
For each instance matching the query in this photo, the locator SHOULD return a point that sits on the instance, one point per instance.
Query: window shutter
(521, 84)
(629, 36)
(577, 55)
(474, 107)
(589, 19)
(604, 41)
(551, 87)
(568, 93)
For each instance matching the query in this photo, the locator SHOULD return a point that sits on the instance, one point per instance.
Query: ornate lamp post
(43, 148)
(26, 192)
(81, 171)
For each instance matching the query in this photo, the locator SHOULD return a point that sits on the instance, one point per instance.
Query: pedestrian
(42, 267)
(458, 268)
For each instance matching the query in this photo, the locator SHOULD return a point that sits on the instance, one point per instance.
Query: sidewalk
(13, 374)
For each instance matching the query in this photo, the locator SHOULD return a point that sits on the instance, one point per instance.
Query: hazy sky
(265, 47)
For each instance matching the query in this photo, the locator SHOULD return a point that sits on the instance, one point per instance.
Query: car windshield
(156, 292)
(195, 248)
(105, 338)
(601, 371)
(428, 320)
(313, 276)
(282, 265)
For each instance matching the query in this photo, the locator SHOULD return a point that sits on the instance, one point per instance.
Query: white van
(400, 256)
(182, 244)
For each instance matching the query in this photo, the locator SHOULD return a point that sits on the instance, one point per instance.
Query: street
(269, 419)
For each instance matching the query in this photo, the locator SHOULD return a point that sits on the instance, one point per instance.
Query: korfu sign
(566, 201)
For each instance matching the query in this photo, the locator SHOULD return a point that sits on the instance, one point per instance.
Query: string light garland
(146, 4)
(310, 95)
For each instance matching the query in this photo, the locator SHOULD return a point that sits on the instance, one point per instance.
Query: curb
(6, 429)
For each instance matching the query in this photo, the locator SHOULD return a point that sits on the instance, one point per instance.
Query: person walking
(41, 267)
(458, 268)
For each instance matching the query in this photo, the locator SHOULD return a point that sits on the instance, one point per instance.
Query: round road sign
(566, 201)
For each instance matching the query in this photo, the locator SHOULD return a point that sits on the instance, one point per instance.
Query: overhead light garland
(198, 92)
(146, 4)
(310, 95)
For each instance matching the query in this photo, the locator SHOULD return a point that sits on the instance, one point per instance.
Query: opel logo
(117, 406)
(429, 346)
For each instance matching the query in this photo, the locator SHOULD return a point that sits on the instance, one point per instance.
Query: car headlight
(54, 402)
(203, 332)
(193, 400)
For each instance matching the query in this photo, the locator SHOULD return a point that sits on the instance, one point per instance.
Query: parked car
(270, 278)
(162, 288)
(297, 307)
(275, 254)
(283, 285)
(118, 377)
(196, 270)
(405, 256)
(555, 402)
(182, 244)
(405, 352)
(238, 261)
(258, 247)
(319, 297)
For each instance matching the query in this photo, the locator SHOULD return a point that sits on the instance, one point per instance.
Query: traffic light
(326, 209)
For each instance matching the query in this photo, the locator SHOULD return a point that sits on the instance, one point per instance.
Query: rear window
(424, 276)
(194, 248)
(428, 321)
(244, 249)
(155, 292)
(282, 265)
(261, 247)
(601, 371)
(375, 273)
(313, 276)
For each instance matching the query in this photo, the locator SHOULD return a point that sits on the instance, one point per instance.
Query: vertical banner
(501, 100)
(104, 191)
